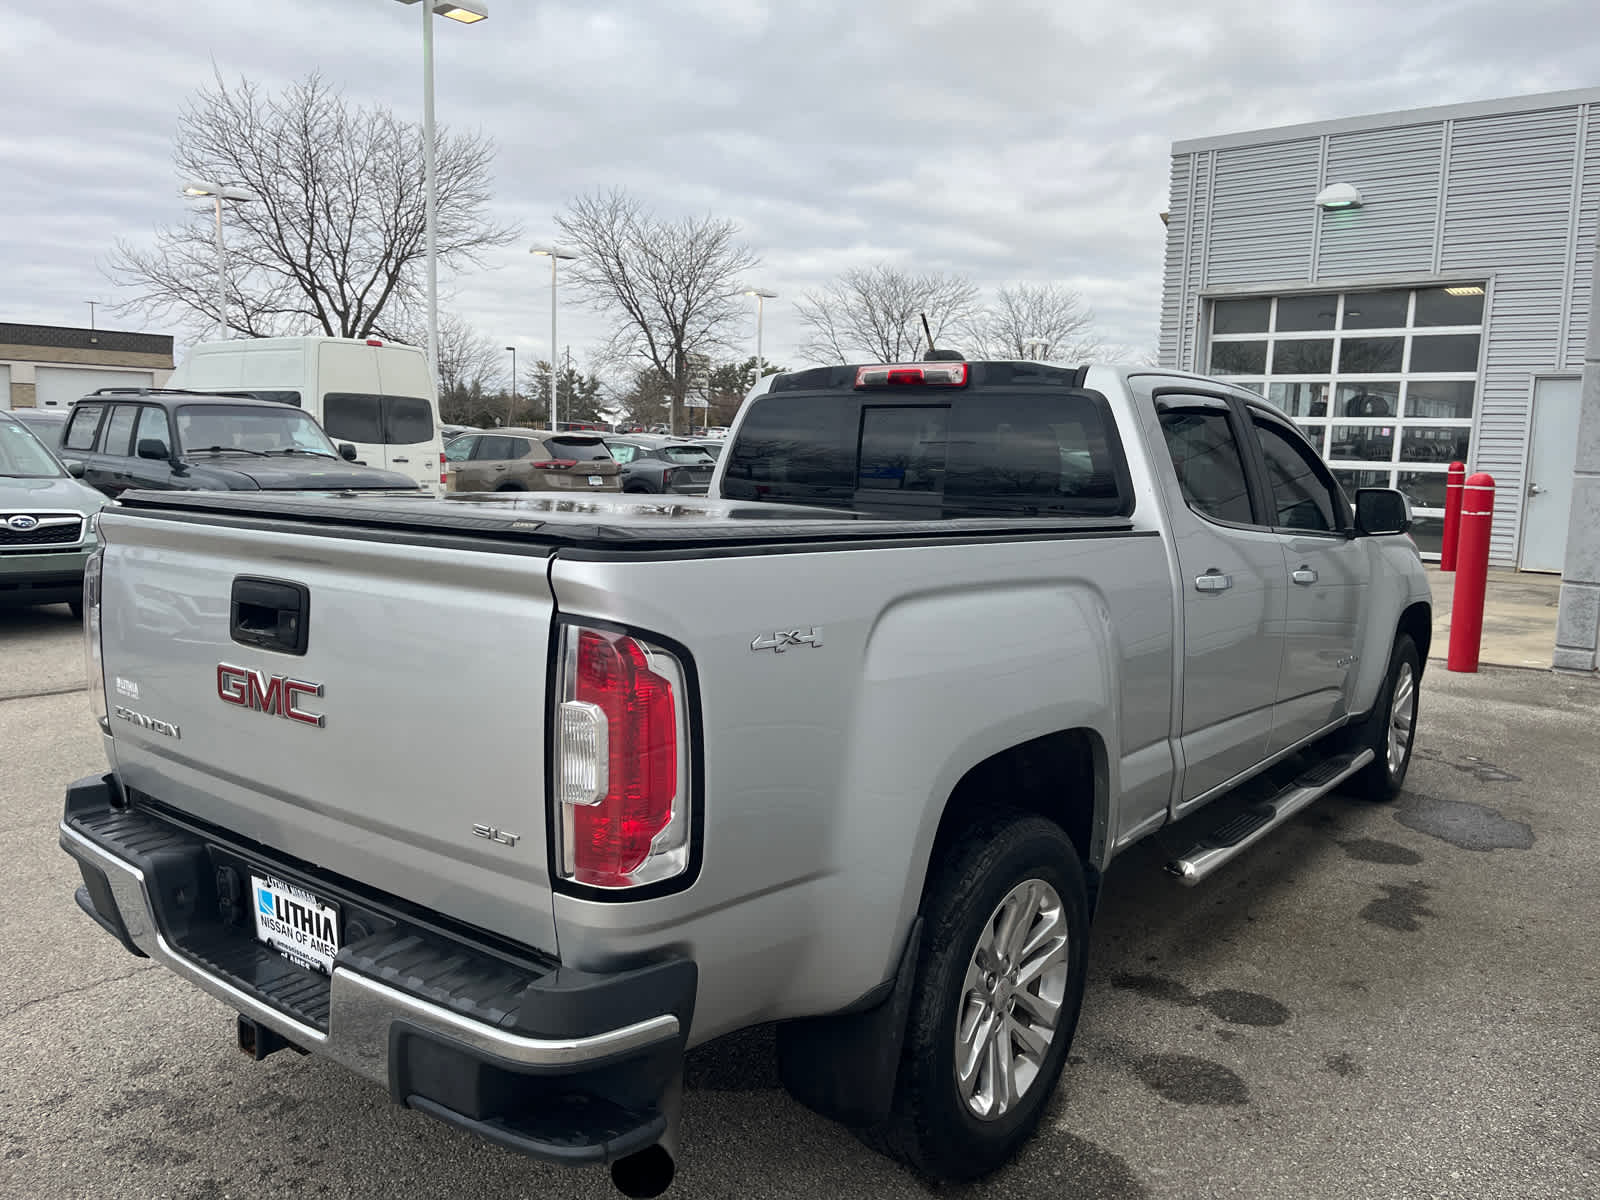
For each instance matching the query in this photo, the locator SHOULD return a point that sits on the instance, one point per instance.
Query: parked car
(529, 460)
(126, 438)
(450, 432)
(711, 447)
(378, 396)
(46, 531)
(847, 746)
(659, 464)
(46, 424)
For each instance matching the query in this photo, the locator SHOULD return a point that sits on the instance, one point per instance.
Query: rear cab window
(1020, 440)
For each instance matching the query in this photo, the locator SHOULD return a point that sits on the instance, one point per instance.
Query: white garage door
(5, 388)
(58, 387)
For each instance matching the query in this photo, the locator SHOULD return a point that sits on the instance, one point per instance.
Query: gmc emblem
(275, 695)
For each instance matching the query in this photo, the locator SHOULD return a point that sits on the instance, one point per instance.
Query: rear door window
(1209, 465)
(353, 417)
(407, 420)
(119, 430)
(495, 448)
(85, 422)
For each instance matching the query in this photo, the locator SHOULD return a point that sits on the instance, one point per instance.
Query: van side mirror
(1382, 511)
(347, 452)
(154, 448)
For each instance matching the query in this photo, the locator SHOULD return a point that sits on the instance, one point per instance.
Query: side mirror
(74, 468)
(347, 452)
(154, 448)
(1382, 511)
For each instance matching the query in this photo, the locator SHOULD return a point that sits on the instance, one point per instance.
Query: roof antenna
(938, 355)
(929, 332)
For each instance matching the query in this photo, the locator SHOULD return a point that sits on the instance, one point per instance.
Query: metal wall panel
(1588, 229)
(1263, 213)
(1393, 232)
(1508, 209)
(1175, 292)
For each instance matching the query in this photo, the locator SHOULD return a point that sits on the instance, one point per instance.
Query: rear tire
(1390, 730)
(511, 487)
(998, 989)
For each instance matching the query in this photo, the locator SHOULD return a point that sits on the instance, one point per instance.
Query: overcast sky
(1001, 139)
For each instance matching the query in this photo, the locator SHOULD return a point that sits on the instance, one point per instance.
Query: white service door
(1548, 505)
(60, 387)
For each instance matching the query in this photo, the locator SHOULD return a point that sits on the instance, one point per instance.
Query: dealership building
(50, 366)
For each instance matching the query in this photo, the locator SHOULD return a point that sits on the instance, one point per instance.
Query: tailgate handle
(269, 614)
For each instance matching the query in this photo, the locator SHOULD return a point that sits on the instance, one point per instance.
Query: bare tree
(671, 285)
(876, 313)
(334, 242)
(469, 367)
(1026, 315)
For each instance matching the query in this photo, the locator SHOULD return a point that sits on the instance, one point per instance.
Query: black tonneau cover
(536, 523)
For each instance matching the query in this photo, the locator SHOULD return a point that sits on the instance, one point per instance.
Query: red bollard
(1452, 515)
(1472, 573)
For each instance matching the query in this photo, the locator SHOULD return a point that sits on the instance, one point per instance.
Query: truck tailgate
(431, 663)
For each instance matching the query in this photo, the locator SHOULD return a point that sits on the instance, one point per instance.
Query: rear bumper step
(560, 1064)
(1244, 830)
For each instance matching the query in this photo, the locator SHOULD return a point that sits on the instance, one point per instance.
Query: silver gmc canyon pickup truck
(506, 803)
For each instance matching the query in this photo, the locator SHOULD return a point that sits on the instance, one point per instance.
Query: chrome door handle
(1213, 581)
(1304, 575)
(1535, 490)
(501, 467)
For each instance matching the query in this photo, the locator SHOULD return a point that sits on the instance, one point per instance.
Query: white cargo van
(378, 396)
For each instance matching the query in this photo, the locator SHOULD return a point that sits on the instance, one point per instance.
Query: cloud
(1004, 139)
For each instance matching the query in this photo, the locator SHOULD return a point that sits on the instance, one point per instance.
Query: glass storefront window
(1296, 313)
(1436, 306)
(1376, 310)
(1240, 316)
(1447, 352)
(1351, 480)
(1238, 358)
(1440, 400)
(1434, 443)
(1366, 443)
(1428, 533)
(1378, 399)
(1302, 356)
(1425, 489)
(1300, 399)
(1370, 356)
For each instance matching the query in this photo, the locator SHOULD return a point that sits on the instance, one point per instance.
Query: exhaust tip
(645, 1174)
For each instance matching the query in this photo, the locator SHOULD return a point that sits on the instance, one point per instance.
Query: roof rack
(142, 391)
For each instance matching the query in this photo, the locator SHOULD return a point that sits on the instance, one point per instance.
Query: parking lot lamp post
(511, 416)
(761, 300)
(218, 192)
(468, 12)
(555, 256)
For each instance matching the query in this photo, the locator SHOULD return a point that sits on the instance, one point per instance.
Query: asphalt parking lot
(1400, 1001)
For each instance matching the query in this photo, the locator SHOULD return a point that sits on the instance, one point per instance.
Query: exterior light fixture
(1339, 195)
(1470, 289)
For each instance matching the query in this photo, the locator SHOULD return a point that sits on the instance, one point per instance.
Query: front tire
(1390, 730)
(999, 986)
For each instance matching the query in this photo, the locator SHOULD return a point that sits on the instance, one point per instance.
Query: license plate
(596, 480)
(295, 923)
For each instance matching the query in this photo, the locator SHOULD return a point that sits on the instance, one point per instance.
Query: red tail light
(622, 762)
(443, 478)
(556, 464)
(666, 476)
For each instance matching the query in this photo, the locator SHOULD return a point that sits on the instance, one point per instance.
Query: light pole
(468, 12)
(219, 192)
(511, 416)
(761, 303)
(554, 255)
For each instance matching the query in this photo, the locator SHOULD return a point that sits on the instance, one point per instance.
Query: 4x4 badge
(784, 638)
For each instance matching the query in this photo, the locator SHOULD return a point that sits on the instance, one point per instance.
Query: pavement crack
(60, 691)
(73, 991)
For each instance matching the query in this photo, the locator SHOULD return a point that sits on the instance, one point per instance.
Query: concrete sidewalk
(1519, 618)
